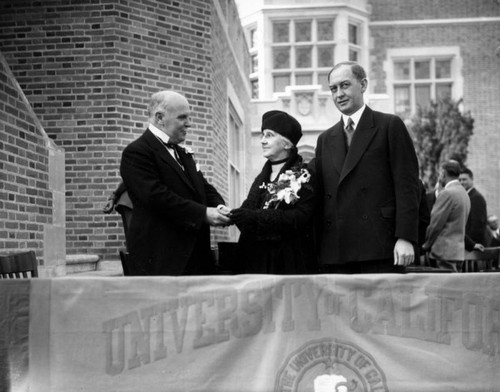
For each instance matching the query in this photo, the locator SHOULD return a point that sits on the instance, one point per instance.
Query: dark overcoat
(370, 192)
(169, 217)
(279, 240)
(475, 230)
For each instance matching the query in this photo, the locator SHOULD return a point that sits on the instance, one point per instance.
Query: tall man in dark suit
(475, 230)
(173, 203)
(368, 180)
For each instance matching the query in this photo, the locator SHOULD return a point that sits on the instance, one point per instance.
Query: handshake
(219, 216)
(243, 218)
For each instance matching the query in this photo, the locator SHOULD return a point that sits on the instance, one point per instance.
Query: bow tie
(175, 147)
(171, 145)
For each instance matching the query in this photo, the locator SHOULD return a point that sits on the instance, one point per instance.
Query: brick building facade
(31, 180)
(413, 51)
(88, 68)
(467, 33)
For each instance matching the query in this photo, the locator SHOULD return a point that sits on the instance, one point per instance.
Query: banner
(369, 333)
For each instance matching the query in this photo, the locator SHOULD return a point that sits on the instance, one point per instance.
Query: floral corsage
(286, 188)
(189, 151)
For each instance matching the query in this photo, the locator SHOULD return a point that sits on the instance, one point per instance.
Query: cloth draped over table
(425, 332)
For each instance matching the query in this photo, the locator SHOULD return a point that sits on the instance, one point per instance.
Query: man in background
(475, 230)
(446, 232)
(492, 231)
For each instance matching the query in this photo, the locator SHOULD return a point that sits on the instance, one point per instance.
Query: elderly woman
(276, 218)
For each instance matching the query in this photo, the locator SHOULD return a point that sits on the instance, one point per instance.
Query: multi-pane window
(254, 61)
(235, 155)
(418, 81)
(252, 38)
(354, 42)
(302, 52)
(254, 83)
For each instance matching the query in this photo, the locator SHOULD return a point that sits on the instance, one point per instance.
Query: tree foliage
(440, 132)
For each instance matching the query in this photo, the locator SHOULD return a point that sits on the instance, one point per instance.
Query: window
(235, 155)
(354, 42)
(254, 83)
(254, 60)
(418, 81)
(252, 38)
(302, 52)
(254, 63)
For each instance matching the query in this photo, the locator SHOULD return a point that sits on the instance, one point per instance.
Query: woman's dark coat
(277, 240)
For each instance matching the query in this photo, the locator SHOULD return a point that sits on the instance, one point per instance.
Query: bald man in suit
(173, 203)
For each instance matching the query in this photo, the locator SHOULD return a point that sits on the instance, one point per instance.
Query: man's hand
(215, 218)
(224, 210)
(479, 247)
(403, 252)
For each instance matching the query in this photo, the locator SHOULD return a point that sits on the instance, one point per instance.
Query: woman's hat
(282, 123)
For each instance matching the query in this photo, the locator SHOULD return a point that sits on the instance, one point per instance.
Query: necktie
(349, 130)
(174, 147)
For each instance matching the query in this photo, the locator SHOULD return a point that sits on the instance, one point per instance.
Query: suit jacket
(492, 240)
(431, 198)
(475, 229)
(169, 213)
(446, 231)
(370, 194)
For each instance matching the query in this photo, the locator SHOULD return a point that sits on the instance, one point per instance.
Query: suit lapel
(336, 144)
(365, 131)
(190, 170)
(165, 156)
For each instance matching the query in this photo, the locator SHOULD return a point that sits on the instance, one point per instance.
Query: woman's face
(274, 146)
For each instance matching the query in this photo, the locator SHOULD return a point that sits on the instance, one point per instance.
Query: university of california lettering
(194, 320)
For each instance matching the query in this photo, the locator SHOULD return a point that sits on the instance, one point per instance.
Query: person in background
(492, 232)
(368, 184)
(475, 229)
(120, 202)
(445, 239)
(173, 204)
(424, 218)
(432, 195)
(276, 219)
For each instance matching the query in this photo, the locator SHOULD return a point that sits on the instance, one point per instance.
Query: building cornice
(427, 22)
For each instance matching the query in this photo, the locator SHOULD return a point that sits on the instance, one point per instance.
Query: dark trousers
(384, 266)
(201, 261)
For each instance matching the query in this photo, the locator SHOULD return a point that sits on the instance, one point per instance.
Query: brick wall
(88, 69)
(226, 72)
(432, 9)
(30, 167)
(480, 68)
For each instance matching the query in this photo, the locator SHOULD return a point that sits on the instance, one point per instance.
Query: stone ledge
(81, 263)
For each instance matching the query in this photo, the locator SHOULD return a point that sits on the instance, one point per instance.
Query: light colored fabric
(254, 333)
(446, 231)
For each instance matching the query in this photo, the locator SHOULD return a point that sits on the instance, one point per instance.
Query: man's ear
(364, 84)
(158, 117)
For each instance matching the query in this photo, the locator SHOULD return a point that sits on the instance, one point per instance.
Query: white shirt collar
(159, 133)
(451, 182)
(356, 116)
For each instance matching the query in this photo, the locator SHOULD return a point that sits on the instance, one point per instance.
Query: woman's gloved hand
(244, 218)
